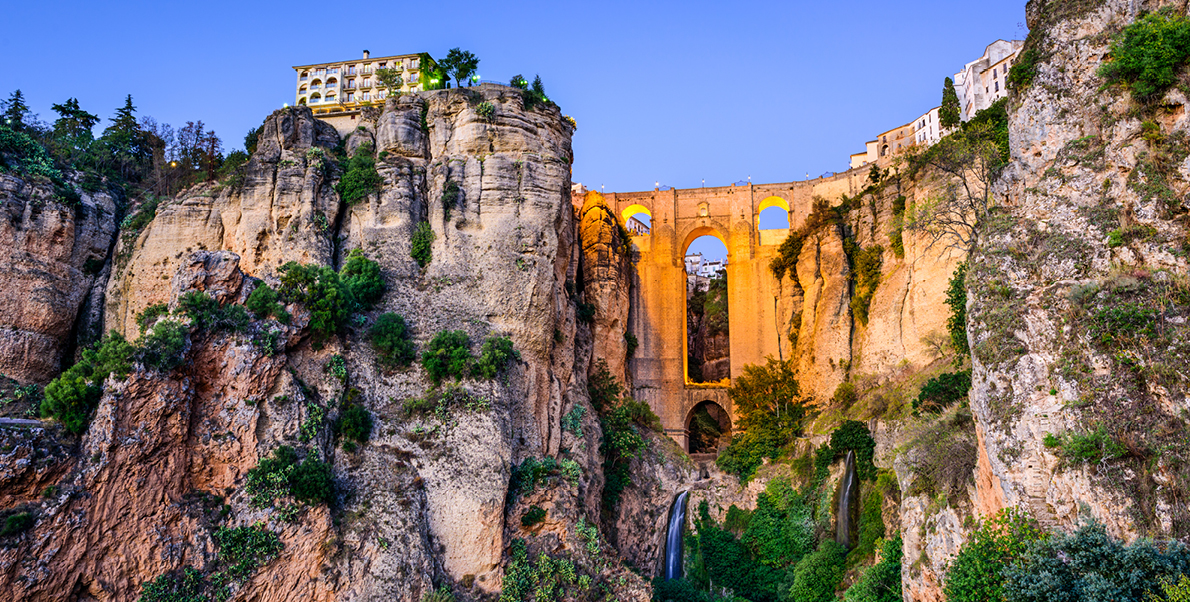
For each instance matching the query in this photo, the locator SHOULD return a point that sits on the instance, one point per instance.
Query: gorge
(411, 364)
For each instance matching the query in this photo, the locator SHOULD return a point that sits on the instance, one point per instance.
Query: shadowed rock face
(53, 252)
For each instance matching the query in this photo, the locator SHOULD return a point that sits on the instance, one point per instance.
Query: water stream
(673, 537)
(847, 492)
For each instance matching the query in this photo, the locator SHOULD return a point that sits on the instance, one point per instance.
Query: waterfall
(847, 487)
(673, 537)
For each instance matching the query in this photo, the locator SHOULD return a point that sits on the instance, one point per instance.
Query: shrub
(355, 423)
(942, 391)
(329, 298)
(531, 473)
(486, 110)
(165, 347)
(943, 456)
(585, 312)
(1091, 447)
(263, 303)
(361, 178)
(1116, 326)
(1171, 590)
(844, 395)
(781, 529)
(448, 355)
(854, 435)
(572, 422)
(534, 515)
(422, 247)
(602, 388)
(728, 563)
(622, 441)
(450, 196)
(246, 549)
(631, 343)
(881, 583)
(1021, 75)
(205, 313)
(495, 354)
(72, 396)
(1090, 566)
(362, 278)
(391, 340)
(956, 298)
(977, 573)
(1148, 57)
(866, 276)
(816, 577)
(767, 435)
(186, 586)
(16, 523)
(149, 316)
(311, 481)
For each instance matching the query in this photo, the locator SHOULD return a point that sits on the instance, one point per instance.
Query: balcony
(365, 86)
(315, 86)
(351, 71)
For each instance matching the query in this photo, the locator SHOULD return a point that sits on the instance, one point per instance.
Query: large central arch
(658, 316)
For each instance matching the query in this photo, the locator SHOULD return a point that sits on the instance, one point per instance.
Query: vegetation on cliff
(1149, 55)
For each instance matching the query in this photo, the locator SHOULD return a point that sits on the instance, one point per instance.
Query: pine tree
(949, 114)
(72, 131)
(16, 111)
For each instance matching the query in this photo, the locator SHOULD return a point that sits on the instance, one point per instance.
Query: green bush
(871, 526)
(1090, 566)
(391, 340)
(149, 316)
(1021, 75)
(450, 196)
(263, 303)
(585, 312)
(246, 549)
(865, 274)
(622, 441)
(494, 356)
(422, 247)
(486, 110)
(956, 298)
(977, 573)
(282, 474)
(942, 391)
(765, 438)
(816, 577)
(361, 178)
(781, 529)
(362, 278)
(602, 388)
(1091, 447)
(165, 347)
(534, 515)
(16, 523)
(185, 586)
(205, 313)
(845, 395)
(881, 583)
(355, 423)
(71, 397)
(728, 563)
(311, 481)
(1115, 326)
(448, 355)
(531, 473)
(1150, 55)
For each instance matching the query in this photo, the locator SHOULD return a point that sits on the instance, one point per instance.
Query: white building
(926, 130)
(984, 80)
(710, 269)
(636, 226)
(693, 263)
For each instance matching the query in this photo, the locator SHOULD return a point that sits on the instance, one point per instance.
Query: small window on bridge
(637, 220)
(774, 214)
(708, 357)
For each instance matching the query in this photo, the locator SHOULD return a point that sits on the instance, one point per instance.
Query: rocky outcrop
(54, 253)
(824, 339)
(1103, 216)
(606, 277)
(284, 210)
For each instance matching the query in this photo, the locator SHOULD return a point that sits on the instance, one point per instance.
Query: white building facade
(985, 80)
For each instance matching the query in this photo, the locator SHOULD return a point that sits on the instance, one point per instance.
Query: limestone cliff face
(606, 276)
(1101, 208)
(285, 210)
(53, 254)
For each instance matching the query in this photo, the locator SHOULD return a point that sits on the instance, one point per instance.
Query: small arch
(302, 100)
(638, 220)
(315, 98)
(315, 83)
(707, 426)
(302, 90)
(773, 214)
(702, 231)
(331, 82)
(305, 75)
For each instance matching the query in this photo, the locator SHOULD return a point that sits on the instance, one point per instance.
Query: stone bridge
(658, 316)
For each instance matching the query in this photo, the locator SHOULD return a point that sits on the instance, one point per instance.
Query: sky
(675, 93)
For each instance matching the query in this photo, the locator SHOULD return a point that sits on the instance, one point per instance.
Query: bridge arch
(697, 232)
(708, 425)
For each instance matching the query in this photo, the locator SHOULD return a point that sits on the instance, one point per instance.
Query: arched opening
(302, 100)
(638, 220)
(314, 85)
(774, 214)
(707, 427)
(305, 75)
(331, 82)
(314, 98)
(708, 358)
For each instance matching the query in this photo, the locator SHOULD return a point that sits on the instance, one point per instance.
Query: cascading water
(847, 491)
(673, 537)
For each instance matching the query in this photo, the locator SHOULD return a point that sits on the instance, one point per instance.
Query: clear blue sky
(674, 92)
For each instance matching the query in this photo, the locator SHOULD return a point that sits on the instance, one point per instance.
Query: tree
(538, 88)
(459, 64)
(16, 111)
(772, 388)
(433, 76)
(389, 78)
(127, 145)
(970, 159)
(72, 130)
(977, 574)
(949, 114)
(518, 81)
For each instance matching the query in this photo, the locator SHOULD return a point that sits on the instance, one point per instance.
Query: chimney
(366, 53)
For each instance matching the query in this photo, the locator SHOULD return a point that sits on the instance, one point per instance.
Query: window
(380, 95)
(333, 70)
(997, 86)
(350, 97)
(382, 66)
(994, 74)
(413, 78)
(367, 83)
(302, 90)
(351, 70)
(351, 84)
(364, 96)
(413, 63)
(305, 75)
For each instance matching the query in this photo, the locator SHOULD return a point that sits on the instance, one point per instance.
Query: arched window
(302, 100)
(305, 75)
(330, 97)
(315, 98)
(707, 426)
(302, 90)
(638, 220)
(774, 214)
(331, 82)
